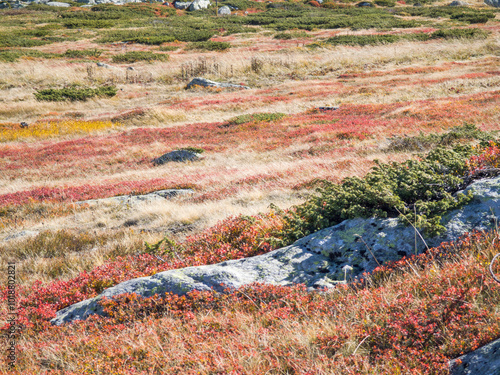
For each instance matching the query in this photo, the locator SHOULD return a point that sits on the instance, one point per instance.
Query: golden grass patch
(51, 129)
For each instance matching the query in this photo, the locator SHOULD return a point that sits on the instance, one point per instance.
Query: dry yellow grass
(51, 129)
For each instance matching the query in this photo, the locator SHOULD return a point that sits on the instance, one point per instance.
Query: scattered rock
(19, 235)
(328, 109)
(177, 155)
(130, 68)
(318, 260)
(493, 3)
(364, 4)
(224, 11)
(131, 200)
(24, 124)
(485, 360)
(58, 4)
(131, 223)
(181, 5)
(203, 82)
(103, 65)
(458, 3)
(199, 4)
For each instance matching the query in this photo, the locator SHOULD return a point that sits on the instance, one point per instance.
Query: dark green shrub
(134, 56)
(43, 7)
(243, 4)
(385, 3)
(283, 36)
(442, 11)
(168, 48)
(91, 24)
(12, 55)
(23, 38)
(194, 149)
(74, 93)
(419, 190)
(460, 34)
(363, 40)
(292, 35)
(255, 117)
(157, 36)
(423, 142)
(471, 18)
(71, 53)
(209, 46)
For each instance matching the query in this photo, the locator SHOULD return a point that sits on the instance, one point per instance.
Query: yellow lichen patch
(51, 129)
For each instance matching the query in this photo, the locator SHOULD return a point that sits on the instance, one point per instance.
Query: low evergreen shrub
(385, 3)
(71, 53)
(423, 142)
(209, 46)
(255, 117)
(135, 56)
(460, 34)
(417, 191)
(471, 18)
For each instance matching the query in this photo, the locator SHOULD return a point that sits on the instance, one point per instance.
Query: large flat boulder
(318, 260)
(484, 361)
(493, 3)
(130, 200)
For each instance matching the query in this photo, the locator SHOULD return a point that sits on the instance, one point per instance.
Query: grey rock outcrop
(458, 3)
(103, 65)
(485, 361)
(58, 4)
(203, 82)
(199, 4)
(224, 11)
(177, 156)
(317, 260)
(493, 3)
(21, 234)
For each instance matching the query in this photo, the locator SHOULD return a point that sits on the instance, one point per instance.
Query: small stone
(224, 11)
(203, 82)
(199, 4)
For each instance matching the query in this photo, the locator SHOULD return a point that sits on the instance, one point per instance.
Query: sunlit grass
(51, 129)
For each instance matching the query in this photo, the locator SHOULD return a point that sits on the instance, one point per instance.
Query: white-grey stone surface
(224, 11)
(182, 4)
(156, 196)
(483, 361)
(493, 3)
(58, 4)
(203, 82)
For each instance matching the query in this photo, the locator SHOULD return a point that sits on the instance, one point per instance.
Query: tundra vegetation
(352, 111)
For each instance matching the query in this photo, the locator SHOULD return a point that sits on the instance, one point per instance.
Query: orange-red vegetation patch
(433, 308)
